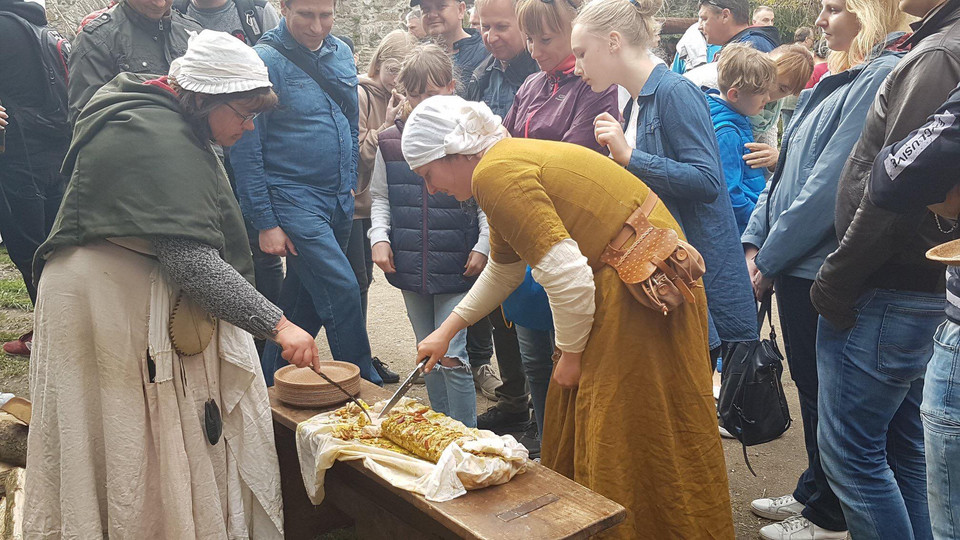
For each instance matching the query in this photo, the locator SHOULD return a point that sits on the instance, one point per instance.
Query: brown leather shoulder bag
(658, 268)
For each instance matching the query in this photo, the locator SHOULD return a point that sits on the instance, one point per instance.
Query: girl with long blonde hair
(791, 230)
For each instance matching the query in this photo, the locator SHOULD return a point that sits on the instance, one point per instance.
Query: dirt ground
(777, 463)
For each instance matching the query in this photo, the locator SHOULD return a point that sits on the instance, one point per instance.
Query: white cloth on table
(487, 459)
(117, 451)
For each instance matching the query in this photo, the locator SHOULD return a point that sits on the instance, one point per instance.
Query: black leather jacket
(879, 248)
(121, 39)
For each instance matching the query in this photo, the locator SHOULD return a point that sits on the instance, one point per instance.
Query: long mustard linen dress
(641, 428)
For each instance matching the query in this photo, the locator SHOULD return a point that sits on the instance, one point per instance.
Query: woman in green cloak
(151, 417)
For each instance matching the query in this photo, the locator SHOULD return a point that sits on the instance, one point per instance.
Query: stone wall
(365, 21)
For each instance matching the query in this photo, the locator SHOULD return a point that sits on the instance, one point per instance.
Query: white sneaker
(797, 528)
(778, 508)
(726, 434)
(487, 381)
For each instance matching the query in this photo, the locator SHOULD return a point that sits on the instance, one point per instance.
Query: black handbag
(752, 405)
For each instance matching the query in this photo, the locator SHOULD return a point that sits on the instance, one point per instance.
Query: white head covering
(218, 63)
(445, 125)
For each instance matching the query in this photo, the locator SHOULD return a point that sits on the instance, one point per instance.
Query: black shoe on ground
(388, 376)
(531, 440)
(500, 422)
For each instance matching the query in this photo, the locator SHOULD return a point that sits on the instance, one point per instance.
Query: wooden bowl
(302, 387)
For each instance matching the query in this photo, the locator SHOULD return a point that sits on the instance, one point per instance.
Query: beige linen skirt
(117, 447)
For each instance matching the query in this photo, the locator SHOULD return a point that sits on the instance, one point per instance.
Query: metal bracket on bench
(528, 507)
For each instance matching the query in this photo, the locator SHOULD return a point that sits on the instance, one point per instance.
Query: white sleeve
(568, 280)
(380, 203)
(483, 243)
(494, 285)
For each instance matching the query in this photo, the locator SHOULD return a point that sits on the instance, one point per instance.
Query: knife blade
(407, 383)
(316, 370)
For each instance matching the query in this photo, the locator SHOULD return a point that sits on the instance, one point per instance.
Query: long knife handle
(342, 389)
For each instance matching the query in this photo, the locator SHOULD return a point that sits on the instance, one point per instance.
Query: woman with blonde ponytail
(667, 141)
(792, 231)
(672, 478)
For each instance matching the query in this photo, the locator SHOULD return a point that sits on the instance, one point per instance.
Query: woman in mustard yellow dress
(630, 411)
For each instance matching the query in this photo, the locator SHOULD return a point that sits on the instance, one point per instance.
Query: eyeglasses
(570, 2)
(245, 117)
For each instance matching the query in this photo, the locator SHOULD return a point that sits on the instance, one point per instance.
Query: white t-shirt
(631, 132)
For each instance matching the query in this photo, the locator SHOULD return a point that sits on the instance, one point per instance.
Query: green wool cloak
(137, 170)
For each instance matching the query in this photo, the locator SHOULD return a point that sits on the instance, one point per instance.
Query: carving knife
(407, 383)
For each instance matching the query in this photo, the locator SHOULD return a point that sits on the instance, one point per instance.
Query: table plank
(578, 512)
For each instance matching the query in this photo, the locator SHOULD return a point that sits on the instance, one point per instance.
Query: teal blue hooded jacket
(733, 130)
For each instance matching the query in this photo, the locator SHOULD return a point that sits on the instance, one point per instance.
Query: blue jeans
(940, 412)
(869, 431)
(320, 289)
(450, 389)
(536, 354)
(799, 320)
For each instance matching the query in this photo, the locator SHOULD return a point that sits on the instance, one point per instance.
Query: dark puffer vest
(431, 235)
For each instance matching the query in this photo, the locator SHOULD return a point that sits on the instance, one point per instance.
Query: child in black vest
(429, 246)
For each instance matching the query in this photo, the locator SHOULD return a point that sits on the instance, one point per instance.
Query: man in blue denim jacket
(296, 175)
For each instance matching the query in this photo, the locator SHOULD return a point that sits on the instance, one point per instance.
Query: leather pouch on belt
(658, 268)
(191, 327)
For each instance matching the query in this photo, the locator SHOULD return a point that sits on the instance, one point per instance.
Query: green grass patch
(13, 366)
(13, 294)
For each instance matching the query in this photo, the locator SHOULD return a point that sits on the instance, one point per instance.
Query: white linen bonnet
(446, 125)
(218, 63)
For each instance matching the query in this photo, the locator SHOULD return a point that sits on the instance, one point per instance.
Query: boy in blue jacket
(745, 77)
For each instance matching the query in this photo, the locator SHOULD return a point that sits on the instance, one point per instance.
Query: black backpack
(250, 17)
(752, 405)
(51, 118)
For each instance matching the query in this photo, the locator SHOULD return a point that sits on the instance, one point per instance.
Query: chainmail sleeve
(213, 284)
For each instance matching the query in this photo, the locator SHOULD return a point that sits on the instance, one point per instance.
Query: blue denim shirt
(677, 156)
(307, 149)
(794, 228)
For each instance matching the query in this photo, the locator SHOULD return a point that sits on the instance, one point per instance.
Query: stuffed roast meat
(421, 435)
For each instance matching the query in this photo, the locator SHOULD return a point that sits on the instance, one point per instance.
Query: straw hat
(948, 253)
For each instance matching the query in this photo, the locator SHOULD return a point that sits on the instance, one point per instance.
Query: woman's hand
(299, 347)
(382, 255)
(750, 253)
(761, 155)
(394, 106)
(476, 262)
(761, 285)
(609, 134)
(567, 371)
(434, 347)
(276, 242)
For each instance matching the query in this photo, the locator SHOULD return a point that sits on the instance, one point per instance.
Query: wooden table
(536, 504)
